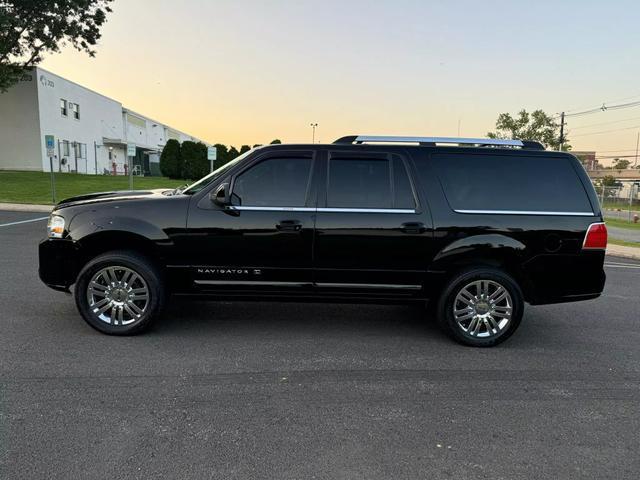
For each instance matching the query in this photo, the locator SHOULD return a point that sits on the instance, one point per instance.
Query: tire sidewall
(142, 267)
(445, 305)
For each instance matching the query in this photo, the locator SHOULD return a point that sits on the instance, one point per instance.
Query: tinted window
(359, 183)
(511, 182)
(277, 182)
(403, 194)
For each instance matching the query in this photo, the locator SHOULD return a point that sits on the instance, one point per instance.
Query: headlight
(55, 226)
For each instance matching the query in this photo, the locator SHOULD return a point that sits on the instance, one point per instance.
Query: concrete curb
(25, 207)
(622, 251)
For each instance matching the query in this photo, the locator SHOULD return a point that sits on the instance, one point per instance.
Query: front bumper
(58, 262)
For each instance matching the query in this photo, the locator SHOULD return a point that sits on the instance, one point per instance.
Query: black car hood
(103, 197)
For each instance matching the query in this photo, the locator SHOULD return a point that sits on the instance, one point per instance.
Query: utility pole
(313, 134)
(635, 164)
(561, 131)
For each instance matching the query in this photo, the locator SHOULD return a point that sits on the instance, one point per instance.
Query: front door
(263, 241)
(372, 236)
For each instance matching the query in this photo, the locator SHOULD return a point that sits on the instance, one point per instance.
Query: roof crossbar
(432, 141)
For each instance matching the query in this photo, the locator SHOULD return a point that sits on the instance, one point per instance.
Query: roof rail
(432, 141)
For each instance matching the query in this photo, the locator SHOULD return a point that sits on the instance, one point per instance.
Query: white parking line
(23, 221)
(622, 265)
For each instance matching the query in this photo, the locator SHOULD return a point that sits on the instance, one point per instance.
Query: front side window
(63, 107)
(276, 182)
(65, 148)
(75, 108)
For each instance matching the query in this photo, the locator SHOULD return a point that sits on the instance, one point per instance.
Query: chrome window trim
(527, 212)
(272, 209)
(322, 209)
(367, 210)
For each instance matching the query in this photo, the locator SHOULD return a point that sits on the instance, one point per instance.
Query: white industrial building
(91, 131)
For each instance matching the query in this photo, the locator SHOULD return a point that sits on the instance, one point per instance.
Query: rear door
(372, 232)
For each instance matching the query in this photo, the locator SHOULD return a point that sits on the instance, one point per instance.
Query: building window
(75, 108)
(63, 107)
(65, 148)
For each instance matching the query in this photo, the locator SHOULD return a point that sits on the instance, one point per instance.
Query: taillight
(596, 237)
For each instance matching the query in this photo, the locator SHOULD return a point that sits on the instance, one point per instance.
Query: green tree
(620, 163)
(233, 153)
(170, 159)
(221, 155)
(194, 160)
(536, 126)
(275, 142)
(31, 28)
(244, 149)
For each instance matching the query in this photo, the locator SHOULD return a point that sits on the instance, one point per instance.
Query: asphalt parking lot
(296, 391)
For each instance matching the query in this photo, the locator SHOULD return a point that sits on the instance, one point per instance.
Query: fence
(620, 201)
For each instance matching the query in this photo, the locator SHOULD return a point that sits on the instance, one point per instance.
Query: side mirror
(221, 195)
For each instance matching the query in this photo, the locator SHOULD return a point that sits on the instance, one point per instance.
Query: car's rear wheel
(119, 293)
(481, 307)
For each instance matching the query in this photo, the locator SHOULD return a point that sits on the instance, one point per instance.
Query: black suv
(476, 226)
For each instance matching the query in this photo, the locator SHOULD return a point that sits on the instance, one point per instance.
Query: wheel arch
(491, 250)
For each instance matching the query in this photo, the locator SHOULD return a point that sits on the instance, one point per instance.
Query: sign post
(131, 152)
(212, 155)
(50, 142)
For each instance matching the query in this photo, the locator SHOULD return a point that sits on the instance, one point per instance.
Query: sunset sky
(241, 71)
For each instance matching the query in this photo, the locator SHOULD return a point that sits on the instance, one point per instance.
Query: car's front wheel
(481, 307)
(119, 293)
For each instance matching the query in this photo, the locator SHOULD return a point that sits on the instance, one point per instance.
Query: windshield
(204, 181)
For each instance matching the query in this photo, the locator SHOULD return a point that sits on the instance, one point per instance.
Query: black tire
(141, 266)
(445, 306)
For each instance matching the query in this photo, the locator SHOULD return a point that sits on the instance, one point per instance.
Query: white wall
(31, 109)
(100, 117)
(19, 132)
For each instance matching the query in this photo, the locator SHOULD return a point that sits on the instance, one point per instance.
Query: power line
(606, 123)
(604, 108)
(606, 131)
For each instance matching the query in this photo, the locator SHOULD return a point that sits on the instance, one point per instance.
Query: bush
(194, 160)
(170, 159)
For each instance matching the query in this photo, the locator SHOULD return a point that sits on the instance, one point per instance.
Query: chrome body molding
(369, 285)
(527, 212)
(251, 282)
(308, 284)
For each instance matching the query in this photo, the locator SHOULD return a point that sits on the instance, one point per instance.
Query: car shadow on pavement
(184, 316)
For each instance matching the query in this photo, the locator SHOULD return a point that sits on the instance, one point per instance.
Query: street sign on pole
(131, 152)
(212, 155)
(50, 142)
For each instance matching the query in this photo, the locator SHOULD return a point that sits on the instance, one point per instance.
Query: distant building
(588, 159)
(91, 131)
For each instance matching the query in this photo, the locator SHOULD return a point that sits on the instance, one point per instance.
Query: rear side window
(511, 183)
(277, 182)
(369, 183)
(359, 183)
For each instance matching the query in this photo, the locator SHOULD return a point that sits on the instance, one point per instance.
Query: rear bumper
(565, 278)
(58, 263)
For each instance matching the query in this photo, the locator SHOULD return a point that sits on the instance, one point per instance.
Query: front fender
(86, 224)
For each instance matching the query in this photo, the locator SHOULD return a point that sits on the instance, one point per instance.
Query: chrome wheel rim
(483, 309)
(118, 295)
